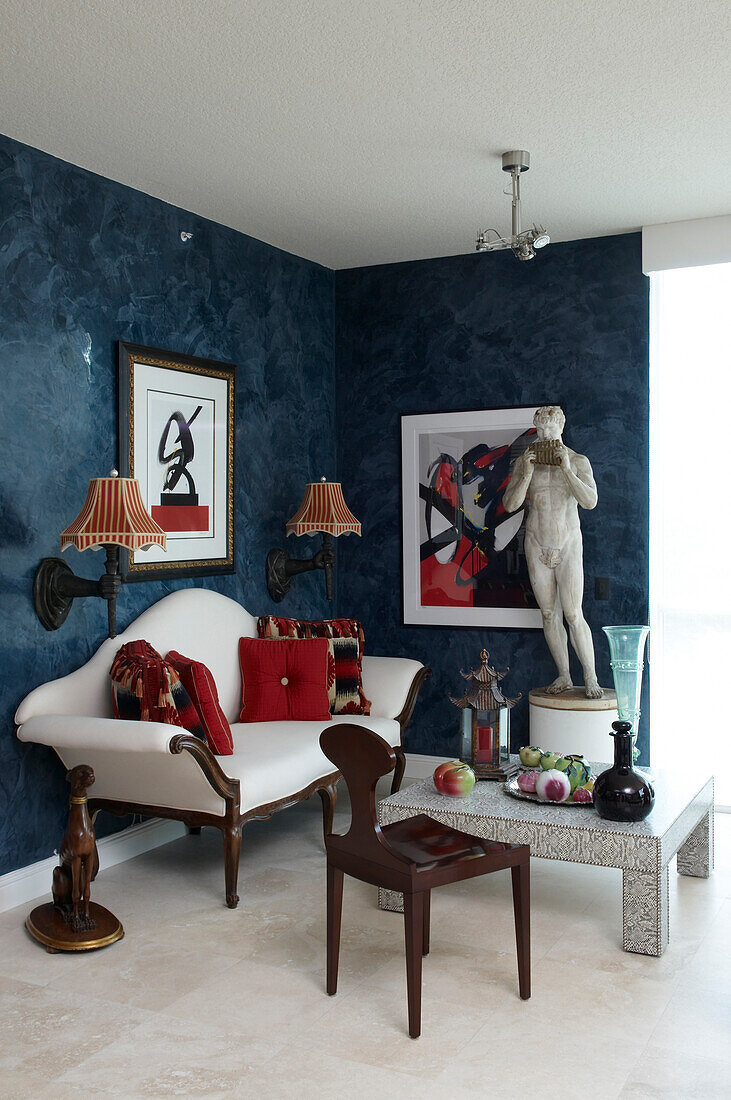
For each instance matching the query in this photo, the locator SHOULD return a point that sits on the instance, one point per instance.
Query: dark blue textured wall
(571, 327)
(85, 262)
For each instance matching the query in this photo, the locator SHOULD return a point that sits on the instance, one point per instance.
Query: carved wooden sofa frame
(230, 790)
(50, 715)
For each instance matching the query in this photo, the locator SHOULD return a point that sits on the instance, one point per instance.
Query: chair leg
(334, 913)
(427, 920)
(329, 796)
(193, 830)
(399, 770)
(521, 908)
(231, 853)
(414, 929)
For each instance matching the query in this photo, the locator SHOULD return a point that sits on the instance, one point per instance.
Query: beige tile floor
(201, 1001)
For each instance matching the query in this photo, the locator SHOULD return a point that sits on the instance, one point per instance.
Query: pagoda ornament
(485, 729)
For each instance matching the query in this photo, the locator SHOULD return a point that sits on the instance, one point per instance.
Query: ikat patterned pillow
(147, 689)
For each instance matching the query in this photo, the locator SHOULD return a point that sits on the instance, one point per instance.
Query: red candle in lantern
(485, 739)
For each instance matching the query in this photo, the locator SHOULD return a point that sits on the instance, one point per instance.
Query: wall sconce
(113, 516)
(323, 509)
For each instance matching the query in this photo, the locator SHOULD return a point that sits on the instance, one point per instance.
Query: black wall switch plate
(602, 587)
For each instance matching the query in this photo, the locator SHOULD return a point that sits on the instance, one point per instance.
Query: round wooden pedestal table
(47, 925)
(571, 723)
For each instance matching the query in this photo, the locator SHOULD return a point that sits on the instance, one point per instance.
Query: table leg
(695, 856)
(645, 911)
(391, 900)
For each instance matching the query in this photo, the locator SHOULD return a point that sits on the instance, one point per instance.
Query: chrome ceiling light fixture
(523, 243)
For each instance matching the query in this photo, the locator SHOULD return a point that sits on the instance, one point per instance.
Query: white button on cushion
(284, 681)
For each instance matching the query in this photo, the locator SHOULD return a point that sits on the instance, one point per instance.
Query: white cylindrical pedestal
(570, 722)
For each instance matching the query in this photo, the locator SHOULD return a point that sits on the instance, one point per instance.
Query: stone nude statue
(559, 480)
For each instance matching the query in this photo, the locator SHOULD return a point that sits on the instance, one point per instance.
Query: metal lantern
(485, 733)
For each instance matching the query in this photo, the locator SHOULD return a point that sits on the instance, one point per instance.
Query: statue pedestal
(570, 722)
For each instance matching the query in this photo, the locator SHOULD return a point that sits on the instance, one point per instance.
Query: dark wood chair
(411, 856)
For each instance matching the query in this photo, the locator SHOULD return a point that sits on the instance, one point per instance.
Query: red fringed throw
(147, 688)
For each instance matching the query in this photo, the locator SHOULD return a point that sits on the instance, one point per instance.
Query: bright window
(690, 519)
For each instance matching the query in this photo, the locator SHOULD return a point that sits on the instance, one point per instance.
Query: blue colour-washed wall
(85, 262)
(570, 327)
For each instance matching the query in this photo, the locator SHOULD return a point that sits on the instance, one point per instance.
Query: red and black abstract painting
(471, 549)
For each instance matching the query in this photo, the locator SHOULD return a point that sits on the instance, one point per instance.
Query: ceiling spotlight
(523, 243)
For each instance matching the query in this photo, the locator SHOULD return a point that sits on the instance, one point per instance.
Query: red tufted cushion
(201, 687)
(284, 680)
(347, 695)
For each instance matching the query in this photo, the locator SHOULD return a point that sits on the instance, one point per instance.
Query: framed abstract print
(176, 433)
(464, 560)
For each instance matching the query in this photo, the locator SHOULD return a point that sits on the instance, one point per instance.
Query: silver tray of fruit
(558, 781)
(511, 786)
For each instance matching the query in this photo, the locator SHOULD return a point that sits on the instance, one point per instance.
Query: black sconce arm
(71, 585)
(55, 587)
(281, 568)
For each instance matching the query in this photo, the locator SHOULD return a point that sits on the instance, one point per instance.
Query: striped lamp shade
(323, 509)
(113, 515)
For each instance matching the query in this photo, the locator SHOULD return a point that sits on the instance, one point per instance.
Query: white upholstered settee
(157, 770)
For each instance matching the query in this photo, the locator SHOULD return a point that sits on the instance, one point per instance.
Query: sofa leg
(399, 770)
(231, 852)
(193, 830)
(329, 796)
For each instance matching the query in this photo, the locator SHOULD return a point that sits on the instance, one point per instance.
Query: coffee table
(681, 821)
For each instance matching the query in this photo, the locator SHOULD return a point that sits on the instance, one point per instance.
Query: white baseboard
(421, 767)
(28, 883)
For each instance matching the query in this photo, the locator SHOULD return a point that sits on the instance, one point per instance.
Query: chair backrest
(362, 757)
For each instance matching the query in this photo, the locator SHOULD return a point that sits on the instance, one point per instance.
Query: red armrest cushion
(201, 687)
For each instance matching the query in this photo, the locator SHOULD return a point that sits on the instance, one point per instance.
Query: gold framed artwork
(176, 436)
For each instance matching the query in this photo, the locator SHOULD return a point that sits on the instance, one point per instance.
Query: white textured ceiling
(368, 132)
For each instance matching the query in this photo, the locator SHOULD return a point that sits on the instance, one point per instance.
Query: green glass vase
(626, 651)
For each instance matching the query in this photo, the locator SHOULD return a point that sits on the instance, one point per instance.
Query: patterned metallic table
(681, 821)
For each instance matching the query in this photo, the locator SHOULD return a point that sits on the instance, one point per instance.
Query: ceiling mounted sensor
(523, 243)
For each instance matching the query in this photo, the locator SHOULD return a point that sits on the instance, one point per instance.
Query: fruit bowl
(512, 788)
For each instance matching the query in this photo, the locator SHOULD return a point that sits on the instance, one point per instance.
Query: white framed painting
(176, 431)
(464, 559)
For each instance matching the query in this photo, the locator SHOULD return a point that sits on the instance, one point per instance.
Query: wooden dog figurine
(72, 880)
(71, 922)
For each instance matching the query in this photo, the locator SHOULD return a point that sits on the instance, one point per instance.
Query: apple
(454, 778)
(553, 786)
(530, 756)
(581, 794)
(527, 781)
(548, 760)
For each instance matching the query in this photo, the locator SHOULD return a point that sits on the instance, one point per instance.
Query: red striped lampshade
(113, 514)
(323, 509)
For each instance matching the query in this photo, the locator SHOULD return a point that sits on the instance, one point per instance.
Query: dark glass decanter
(621, 793)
